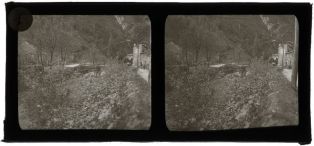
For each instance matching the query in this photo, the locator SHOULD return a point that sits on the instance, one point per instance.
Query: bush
(104, 102)
(187, 96)
(118, 98)
(191, 104)
(39, 95)
(248, 97)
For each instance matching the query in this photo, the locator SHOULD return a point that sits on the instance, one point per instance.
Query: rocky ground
(118, 98)
(220, 98)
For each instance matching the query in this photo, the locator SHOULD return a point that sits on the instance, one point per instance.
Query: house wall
(137, 49)
(140, 59)
(281, 52)
(289, 59)
(145, 61)
(285, 58)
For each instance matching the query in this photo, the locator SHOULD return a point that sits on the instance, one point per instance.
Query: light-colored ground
(72, 65)
(287, 73)
(217, 65)
(143, 73)
(221, 65)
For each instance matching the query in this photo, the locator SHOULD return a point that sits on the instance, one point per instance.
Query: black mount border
(158, 131)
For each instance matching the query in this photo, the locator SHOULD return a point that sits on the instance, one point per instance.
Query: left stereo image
(85, 72)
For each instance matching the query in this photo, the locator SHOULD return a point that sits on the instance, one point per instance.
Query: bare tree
(47, 39)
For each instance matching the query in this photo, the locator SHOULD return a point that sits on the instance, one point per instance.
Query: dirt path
(287, 73)
(143, 73)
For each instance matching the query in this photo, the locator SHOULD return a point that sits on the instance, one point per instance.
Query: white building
(285, 56)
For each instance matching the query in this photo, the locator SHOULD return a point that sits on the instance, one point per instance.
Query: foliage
(202, 99)
(116, 99)
(187, 96)
(38, 94)
(59, 39)
(51, 96)
(227, 36)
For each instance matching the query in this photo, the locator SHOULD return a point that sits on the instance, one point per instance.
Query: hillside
(236, 38)
(218, 75)
(72, 73)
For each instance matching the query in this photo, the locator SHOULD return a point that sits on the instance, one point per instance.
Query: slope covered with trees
(231, 38)
(73, 38)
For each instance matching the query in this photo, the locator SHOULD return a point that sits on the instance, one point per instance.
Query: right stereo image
(231, 71)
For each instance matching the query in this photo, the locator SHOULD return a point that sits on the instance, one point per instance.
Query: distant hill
(229, 38)
(85, 38)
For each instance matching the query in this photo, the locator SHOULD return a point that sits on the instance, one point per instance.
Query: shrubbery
(186, 95)
(192, 103)
(248, 96)
(39, 95)
(117, 98)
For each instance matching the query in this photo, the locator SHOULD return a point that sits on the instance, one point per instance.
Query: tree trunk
(207, 56)
(218, 57)
(197, 53)
(254, 45)
(41, 58)
(51, 57)
(65, 56)
(239, 57)
(108, 46)
(186, 57)
(294, 75)
(93, 57)
(93, 54)
(61, 56)
(38, 58)
(234, 55)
